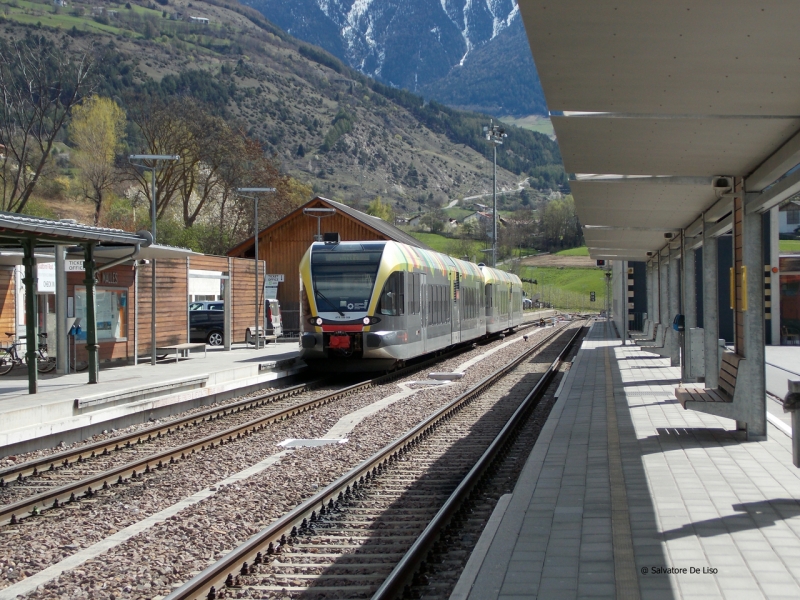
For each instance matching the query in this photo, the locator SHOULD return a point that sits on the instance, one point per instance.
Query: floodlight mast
(494, 135)
(155, 158)
(241, 192)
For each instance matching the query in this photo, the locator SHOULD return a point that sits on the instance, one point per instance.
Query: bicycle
(9, 358)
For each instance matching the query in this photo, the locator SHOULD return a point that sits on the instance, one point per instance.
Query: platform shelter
(679, 124)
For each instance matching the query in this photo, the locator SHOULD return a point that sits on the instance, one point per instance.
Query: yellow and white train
(371, 306)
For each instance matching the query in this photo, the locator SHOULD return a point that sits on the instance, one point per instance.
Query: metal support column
(649, 288)
(689, 302)
(775, 276)
(31, 313)
(663, 292)
(227, 300)
(62, 341)
(91, 318)
(710, 309)
(753, 308)
(673, 337)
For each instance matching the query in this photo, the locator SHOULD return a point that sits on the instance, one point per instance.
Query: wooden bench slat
(726, 368)
(731, 358)
(727, 378)
(719, 397)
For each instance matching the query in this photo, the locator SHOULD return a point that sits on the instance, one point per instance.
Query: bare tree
(164, 131)
(39, 84)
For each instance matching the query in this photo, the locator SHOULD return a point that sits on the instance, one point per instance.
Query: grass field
(789, 245)
(580, 251)
(533, 122)
(452, 246)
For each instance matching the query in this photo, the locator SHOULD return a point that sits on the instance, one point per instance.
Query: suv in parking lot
(207, 326)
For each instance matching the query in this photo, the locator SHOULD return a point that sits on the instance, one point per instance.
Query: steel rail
(226, 571)
(103, 447)
(87, 487)
(51, 462)
(394, 585)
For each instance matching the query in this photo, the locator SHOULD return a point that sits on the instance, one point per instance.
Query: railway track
(113, 462)
(367, 533)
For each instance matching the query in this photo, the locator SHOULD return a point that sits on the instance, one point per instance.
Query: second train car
(370, 306)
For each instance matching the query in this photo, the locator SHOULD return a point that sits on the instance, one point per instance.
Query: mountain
(331, 127)
(438, 49)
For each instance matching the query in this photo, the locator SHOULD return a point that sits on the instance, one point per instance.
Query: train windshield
(344, 276)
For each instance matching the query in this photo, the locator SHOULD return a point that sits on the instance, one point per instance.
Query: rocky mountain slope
(433, 48)
(348, 136)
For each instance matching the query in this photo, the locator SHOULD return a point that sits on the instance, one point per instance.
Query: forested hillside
(243, 92)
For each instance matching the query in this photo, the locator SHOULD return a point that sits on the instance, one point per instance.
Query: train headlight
(366, 320)
(319, 321)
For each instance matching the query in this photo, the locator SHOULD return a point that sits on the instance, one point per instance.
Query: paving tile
(697, 495)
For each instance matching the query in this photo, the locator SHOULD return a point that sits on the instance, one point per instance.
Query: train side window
(437, 311)
(392, 297)
(417, 293)
(489, 290)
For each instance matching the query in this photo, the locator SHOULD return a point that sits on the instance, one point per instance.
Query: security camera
(650, 253)
(721, 184)
(669, 235)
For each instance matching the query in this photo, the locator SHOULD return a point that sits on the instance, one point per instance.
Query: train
(373, 305)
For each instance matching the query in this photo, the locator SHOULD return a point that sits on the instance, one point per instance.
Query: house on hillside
(478, 217)
(200, 20)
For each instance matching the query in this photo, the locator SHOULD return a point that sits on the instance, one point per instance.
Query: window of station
(111, 313)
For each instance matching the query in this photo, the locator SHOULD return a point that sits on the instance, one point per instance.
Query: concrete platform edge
(80, 427)
(493, 567)
(470, 572)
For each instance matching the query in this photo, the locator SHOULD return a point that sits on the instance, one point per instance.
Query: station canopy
(651, 100)
(110, 244)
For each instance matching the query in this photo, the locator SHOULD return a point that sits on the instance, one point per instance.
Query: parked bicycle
(10, 358)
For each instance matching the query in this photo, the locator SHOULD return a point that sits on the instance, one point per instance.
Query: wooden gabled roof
(379, 226)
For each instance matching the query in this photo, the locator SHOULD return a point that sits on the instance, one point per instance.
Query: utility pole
(494, 135)
(155, 158)
(255, 239)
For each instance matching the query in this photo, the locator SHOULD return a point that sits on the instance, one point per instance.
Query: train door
(424, 309)
(455, 314)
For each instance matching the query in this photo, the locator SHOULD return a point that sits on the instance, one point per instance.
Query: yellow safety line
(627, 580)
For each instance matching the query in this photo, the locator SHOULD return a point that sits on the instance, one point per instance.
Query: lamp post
(255, 237)
(155, 158)
(494, 135)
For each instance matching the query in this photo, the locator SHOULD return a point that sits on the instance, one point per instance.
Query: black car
(207, 326)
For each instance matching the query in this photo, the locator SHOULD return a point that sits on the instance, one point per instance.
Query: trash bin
(73, 329)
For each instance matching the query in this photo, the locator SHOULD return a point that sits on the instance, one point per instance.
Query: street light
(155, 158)
(494, 135)
(255, 190)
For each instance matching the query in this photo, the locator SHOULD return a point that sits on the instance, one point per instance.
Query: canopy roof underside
(663, 88)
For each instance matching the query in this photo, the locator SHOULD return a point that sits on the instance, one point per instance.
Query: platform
(645, 500)
(67, 408)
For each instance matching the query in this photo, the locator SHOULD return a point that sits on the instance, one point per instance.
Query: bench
(646, 334)
(181, 350)
(726, 391)
(658, 342)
